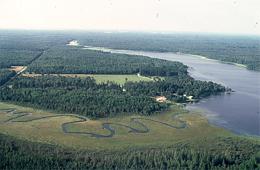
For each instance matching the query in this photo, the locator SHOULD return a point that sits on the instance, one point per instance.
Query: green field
(160, 132)
(104, 78)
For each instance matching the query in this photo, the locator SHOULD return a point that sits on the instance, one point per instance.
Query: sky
(210, 16)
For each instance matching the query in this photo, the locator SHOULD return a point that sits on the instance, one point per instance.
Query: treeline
(234, 154)
(68, 60)
(79, 96)
(176, 88)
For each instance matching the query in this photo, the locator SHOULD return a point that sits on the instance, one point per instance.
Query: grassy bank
(49, 130)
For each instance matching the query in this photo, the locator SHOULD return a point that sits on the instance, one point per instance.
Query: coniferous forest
(5, 75)
(19, 154)
(86, 97)
(64, 60)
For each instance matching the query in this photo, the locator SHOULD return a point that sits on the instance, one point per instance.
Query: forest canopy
(20, 154)
(84, 96)
(61, 60)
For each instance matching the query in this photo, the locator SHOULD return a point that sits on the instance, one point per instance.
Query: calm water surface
(239, 111)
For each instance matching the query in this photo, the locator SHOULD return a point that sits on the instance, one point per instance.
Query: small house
(161, 99)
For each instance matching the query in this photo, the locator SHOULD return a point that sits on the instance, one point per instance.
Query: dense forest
(5, 75)
(31, 40)
(239, 154)
(79, 96)
(82, 61)
(175, 87)
(239, 49)
(13, 57)
(83, 96)
(18, 49)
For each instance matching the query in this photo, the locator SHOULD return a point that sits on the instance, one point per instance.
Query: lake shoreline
(237, 111)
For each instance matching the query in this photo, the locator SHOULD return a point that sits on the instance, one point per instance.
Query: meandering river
(239, 111)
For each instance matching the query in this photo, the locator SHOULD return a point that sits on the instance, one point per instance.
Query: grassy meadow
(49, 130)
(104, 78)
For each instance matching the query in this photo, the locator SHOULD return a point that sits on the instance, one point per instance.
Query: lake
(238, 111)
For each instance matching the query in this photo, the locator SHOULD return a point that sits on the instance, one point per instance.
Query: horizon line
(131, 31)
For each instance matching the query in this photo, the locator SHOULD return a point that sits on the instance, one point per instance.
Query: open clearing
(127, 131)
(103, 78)
(18, 69)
